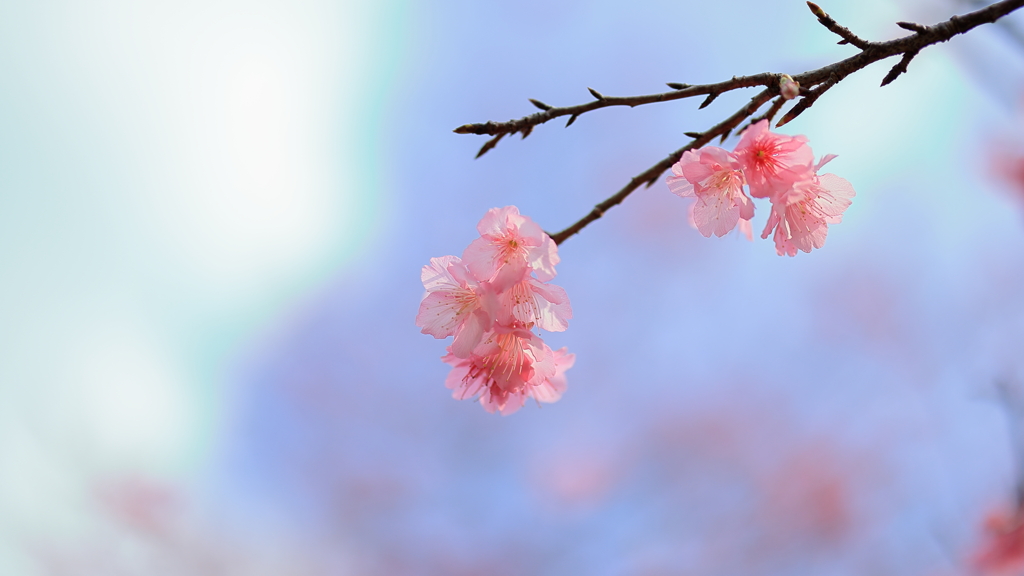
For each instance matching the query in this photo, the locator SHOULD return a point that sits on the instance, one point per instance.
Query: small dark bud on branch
(711, 98)
(795, 111)
(571, 120)
(464, 129)
(677, 85)
(596, 94)
(912, 26)
(489, 144)
(816, 10)
(899, 68)
(540, 104)
(526, 131)
(693, 135)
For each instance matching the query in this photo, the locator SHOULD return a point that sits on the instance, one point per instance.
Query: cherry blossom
(454, 304)
(714, 177)
(773, 166)
(530, 302)
(800, 216)
(508, 238)
(504, 370)
(771, 162)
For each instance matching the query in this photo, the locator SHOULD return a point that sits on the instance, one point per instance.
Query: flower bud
(788, 87)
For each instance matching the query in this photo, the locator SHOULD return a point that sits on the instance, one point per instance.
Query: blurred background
(212, 219)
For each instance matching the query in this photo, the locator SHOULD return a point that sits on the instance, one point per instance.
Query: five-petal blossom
(712, 175)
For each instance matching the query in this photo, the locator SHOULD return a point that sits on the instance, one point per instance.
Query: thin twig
(769, 115)
(834, 27)
(513, 126)
(807, 101)
(655, 172)
(1007, 27)
(871, 53)
(899, 68)
(814, 83)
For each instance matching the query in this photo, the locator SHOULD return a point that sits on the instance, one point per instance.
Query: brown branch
(513, 126)
(807, 100)
(834, 27)
(814, 83)
(899, 68)
(769, 115)
(655, 172)
(871, 52)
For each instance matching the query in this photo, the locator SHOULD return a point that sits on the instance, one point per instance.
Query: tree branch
(655, 172)
(834, 27)
(513, 126)
(814, 83)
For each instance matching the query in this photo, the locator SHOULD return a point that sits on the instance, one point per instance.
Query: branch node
(540, 104)
(957, 23)
(596, 94)
(808, 100)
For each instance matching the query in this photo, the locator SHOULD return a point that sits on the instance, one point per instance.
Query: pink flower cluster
(780, 168)
(490, 300)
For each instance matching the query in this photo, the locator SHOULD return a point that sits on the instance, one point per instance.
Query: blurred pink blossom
(1002, 551)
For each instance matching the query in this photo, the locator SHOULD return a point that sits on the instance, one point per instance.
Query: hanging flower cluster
(780, 168)
(490, 300)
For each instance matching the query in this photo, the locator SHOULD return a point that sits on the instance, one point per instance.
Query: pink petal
(436, 273)
(715, 216)
(554, 312)
(471, 334)
(495, 221)
(680, 186)
(438, 314)
(544, 257)
(479, 257)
